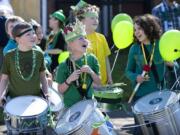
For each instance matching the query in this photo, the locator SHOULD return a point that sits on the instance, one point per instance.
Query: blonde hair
(80, 14)
(13, 19)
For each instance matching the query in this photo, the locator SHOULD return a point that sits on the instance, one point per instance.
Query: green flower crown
(74, 31)
(79, 5)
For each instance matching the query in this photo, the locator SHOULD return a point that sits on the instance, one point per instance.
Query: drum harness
(154, 69)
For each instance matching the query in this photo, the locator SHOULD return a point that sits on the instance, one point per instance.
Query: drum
(26, 114)
(159, 113)
(55, 101)
(80, 119)
(109, 93)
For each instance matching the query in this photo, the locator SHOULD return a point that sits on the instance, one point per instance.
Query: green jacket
(135, 67)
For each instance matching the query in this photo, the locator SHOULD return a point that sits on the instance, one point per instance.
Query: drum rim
(56, 92)
(77, 126)
(71, 131)
(109, 94)
(156, 111)
(106, 88)
(6, 111)
(61, 97)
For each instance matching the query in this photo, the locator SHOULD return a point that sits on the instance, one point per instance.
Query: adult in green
(23, 68)
(144, 56)
(55, 41)
(77, 73)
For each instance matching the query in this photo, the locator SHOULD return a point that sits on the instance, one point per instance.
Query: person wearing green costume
(23, 69)
(144, 55)
(76, 74)
(55, 40)
(88, 14)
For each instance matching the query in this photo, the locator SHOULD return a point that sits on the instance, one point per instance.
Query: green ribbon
(51, 117)
(100, 123)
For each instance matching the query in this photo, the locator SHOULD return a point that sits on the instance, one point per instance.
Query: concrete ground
(121, 120)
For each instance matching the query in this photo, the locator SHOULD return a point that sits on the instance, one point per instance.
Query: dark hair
(18, 29)
(34, 24)
(151, 26)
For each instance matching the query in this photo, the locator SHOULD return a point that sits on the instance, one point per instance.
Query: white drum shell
(164, 116)
(56, 103)
(26, 113)
(87, 116)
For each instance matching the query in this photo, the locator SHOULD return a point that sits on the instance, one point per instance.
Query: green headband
(91, 14)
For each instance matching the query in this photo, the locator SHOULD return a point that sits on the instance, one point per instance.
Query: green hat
(79, 5)
(73, 31)
(59, 15)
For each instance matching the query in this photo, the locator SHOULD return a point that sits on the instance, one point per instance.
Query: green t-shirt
(17, 86)
(72, 95)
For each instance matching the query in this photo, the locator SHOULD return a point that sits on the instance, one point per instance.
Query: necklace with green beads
(17, 65)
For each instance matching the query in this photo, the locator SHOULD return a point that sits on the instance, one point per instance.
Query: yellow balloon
(123, 34)
(169, 45)
(120, 17)
(63, 56)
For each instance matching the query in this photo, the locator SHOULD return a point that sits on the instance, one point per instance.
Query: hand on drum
(74, 76)
(49, 78)
(141, 79)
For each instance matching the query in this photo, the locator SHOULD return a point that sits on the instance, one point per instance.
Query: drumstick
(136, 88)
(74, 67)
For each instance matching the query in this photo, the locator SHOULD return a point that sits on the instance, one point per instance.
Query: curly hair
(89, 8)
(151, 26)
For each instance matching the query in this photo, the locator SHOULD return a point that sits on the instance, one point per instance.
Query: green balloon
(123, 34)
(169, 43)
(63, 56)
(120, 17)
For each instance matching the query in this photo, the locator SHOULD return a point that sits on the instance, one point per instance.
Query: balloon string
(112, 47)
(115, 61)
(177, 82)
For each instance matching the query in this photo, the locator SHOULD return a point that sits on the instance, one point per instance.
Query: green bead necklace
(17, 65)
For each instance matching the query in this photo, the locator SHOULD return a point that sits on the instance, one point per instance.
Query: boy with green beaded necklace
(76, 75)
(23, 67)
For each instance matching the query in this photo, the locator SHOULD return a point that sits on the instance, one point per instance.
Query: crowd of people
(29, 60)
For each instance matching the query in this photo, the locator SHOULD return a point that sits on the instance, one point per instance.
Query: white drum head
(55, 99)
(26, 106)
(75, 116)
(155, 101)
